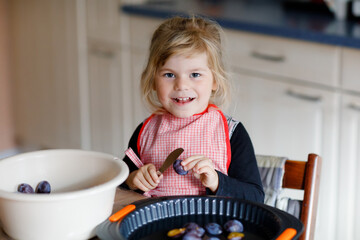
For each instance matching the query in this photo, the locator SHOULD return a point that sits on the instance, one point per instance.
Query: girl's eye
(195, 75)
(169, 75)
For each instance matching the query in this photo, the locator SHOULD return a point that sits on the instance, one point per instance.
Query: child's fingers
(196, 175)
(197, 162)
(151, 176)
(209, 178)
(141, 183)
(207, 170)
(190, 159)
(146, 178)
(154, 176)
(203, 164)
(190, 162)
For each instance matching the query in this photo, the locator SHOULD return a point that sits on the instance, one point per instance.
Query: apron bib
(201, 134)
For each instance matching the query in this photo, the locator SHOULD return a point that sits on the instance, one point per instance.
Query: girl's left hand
(203, 169)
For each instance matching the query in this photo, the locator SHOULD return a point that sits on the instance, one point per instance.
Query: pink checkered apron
(201, 134)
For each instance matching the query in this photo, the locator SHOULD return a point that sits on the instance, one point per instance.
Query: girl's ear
(153, 84)
(214, 86)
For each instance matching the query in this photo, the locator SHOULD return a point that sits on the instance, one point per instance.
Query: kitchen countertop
(271, 17)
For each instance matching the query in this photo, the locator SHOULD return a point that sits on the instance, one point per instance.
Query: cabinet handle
(102, 53)
(303, 96)
(354, 106)
(267, 56)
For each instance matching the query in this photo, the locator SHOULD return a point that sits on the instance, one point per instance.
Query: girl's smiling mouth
(183, 99)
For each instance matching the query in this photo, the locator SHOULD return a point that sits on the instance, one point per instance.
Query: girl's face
(184, 84)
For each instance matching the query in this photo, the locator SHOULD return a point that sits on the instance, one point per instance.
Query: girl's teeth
(185, 99)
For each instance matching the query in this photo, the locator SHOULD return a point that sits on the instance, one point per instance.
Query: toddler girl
(183, 83)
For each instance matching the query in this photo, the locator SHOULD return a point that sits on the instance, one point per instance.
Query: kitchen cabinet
(140, 112)
(67, 74)
(291, 120)
(103, 20)
(282, 118)
(141, 30)
(45, 72)
(285, 58)
(287, 96)
(104, 65)
(106, 88)
(348, 210)
(350, 69)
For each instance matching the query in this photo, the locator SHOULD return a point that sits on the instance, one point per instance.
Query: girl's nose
(181, 83)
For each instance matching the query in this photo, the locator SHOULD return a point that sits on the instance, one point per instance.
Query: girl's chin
(185, 111)
(182, 115)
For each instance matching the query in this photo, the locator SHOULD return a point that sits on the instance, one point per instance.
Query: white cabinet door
(282, 118)
(290, 120)
(45, 73)
(105, 101)
(350, 69)
(349, 168)
(140, 112)
(103, 20)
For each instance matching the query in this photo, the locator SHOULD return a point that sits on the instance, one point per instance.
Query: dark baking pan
(153, 218)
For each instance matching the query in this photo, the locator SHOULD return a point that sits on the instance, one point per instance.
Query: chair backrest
(305, 176)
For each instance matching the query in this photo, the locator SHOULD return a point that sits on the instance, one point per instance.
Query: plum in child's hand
(179, 169)
(25, 188)
(43, 187)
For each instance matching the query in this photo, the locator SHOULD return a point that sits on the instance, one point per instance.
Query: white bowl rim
(111, 184)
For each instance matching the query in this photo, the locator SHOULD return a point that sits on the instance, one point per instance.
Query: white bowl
(83, 190)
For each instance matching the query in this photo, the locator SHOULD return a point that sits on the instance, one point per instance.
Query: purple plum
(43, 187)
(179, 168)
(25, 188)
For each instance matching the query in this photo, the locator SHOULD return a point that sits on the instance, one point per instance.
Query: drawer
(350, 74)
(311, 62)
(141, 31)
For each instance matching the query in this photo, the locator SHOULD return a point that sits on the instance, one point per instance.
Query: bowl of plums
(58, 194)
(200, 217)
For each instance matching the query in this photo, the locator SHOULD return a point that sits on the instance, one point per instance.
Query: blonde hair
(187, 36)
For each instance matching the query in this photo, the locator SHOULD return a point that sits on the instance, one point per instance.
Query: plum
(211, 238)
(191, 236)
(233, 226)
(197, 232)
(213, 228)
(43, 187)
(178, 168)
(190, 226)
(25, 188)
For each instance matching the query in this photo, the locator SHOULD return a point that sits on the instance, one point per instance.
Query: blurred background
(70, 72)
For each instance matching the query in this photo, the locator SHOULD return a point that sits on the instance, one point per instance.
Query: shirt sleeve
(243, 180)
(133, 145)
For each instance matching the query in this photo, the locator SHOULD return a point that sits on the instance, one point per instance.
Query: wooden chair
(305, 176)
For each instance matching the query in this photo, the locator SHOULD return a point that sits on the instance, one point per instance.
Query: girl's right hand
(145, 178)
